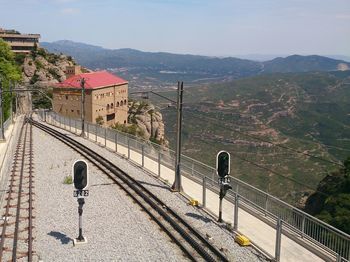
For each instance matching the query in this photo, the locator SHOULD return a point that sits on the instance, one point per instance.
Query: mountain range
(147, 68)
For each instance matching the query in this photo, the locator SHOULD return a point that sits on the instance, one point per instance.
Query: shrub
(53, 72)
(38, 64)
(34, 79)
(99, 120)
(19, 58)
(68, 180)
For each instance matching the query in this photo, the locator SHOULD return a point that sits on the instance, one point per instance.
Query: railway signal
(223, 163)
(80, 182)
(80, 174)
(223, 160)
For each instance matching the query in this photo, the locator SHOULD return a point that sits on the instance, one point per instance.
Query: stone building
(20, 43)
(106, 98)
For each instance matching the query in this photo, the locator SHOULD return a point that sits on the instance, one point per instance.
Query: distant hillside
(297, 63)
(146, 68)
(308, 112)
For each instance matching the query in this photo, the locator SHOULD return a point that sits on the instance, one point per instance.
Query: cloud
(69, 11)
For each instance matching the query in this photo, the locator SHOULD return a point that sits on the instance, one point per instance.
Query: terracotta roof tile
(93, 80)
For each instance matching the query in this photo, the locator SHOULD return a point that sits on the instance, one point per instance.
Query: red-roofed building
(106, 97)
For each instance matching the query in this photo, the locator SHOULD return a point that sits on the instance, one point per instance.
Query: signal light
(80, 174)
(223, 160)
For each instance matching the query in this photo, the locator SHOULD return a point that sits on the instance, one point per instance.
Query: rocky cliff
(149, 121)
(43, 69)
(40, 69)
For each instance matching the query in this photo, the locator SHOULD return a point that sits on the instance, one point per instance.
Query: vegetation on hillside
(10, 73)
(132, 129)
(271, 124)
(42, 69)
(331, 202)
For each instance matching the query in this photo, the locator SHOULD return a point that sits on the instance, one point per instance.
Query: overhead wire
(264, 140)
(274, 172)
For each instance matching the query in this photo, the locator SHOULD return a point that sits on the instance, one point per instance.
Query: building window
(66, 97)
(124, 121)
(125, 102)
(107, 106)
(117, 104)
(111, 105)
(72, 110)
(110, 117)
(121, 103)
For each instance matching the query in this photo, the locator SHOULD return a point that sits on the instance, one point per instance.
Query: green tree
(99, 120)
(9, 72)
(331, 202)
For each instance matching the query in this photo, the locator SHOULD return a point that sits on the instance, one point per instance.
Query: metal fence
(7, 123)
(297, 224)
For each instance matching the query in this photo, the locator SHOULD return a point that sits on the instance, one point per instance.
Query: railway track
(192, 243)
(17, 215)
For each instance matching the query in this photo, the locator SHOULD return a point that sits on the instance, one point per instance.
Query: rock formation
(148, 120)
(43, 69)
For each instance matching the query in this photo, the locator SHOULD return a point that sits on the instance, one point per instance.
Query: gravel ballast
(116, 228)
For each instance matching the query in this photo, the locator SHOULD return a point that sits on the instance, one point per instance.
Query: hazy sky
(208, 27)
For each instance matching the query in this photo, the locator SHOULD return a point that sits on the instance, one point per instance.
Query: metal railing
(297, 224)
(7, 123)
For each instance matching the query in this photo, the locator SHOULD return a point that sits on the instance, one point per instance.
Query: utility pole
(2, 134)
(82, 84)
(177, 183)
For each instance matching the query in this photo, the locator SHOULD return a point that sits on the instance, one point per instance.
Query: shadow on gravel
(198, 217)
(149, 184)
(59, 236)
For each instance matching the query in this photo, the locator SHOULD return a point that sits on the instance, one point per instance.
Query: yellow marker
(242, 240)
(193, 202)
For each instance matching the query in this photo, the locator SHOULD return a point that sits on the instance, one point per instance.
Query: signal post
(80, 182)
(223, 160)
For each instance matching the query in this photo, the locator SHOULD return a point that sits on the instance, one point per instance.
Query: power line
(264, 140)
(276, 173)
(299, 139)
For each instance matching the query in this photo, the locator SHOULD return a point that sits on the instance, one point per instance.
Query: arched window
(117, 104)
(107, 106)
(111, 105)
(125, 102)
(121, 103)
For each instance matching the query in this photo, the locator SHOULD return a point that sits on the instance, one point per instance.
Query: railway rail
(195, 246)
(17, 217)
